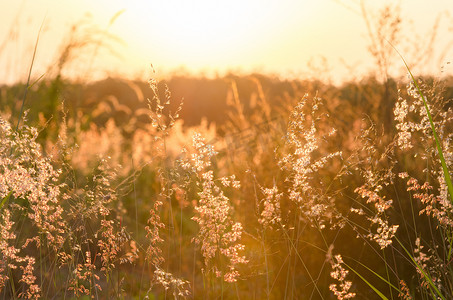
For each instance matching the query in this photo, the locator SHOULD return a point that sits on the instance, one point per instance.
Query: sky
(328, 39)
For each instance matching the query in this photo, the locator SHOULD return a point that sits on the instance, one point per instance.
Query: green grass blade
(436, 137)
(379, 276)
(369, 284)
(447, 176)
(5, 199)
(426, 275)
(36, 81)
(29, 76)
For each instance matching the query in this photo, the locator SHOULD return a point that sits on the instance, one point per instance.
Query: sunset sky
(301, 38)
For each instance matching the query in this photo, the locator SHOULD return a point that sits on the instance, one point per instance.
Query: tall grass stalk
(434, 291)
(445, 172)
(377, 291)
(27, 86)
(433, 128)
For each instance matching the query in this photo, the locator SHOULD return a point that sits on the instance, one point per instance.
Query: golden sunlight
(286, 37)
(226, 149)
(205, 34)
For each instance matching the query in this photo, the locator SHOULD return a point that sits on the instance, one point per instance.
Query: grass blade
(436, 137)
(425, 275)
(369, 284)
(5, 199)
(377, 275)
(29, 76)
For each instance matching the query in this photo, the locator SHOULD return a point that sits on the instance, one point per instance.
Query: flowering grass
(279, 203)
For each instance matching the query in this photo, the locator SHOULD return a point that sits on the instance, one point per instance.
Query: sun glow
(201, 34)
(200, 30)
(291, 37)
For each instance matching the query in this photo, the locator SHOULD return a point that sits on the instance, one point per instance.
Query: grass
(264, 219)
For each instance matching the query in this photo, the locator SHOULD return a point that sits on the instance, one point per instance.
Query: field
(261, 198)
(238, 186)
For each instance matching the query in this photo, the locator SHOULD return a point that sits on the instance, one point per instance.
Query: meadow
(284, 189)
(234, 187)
